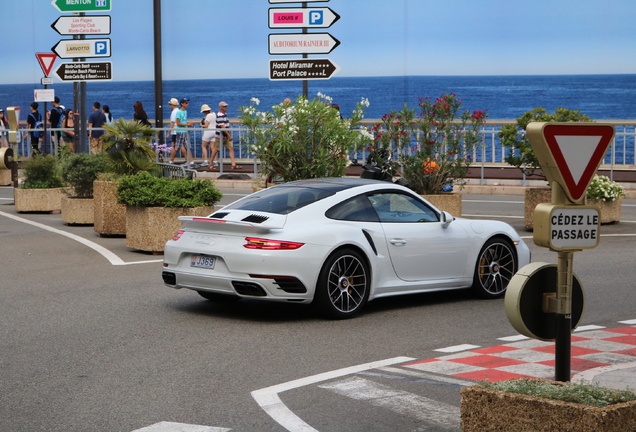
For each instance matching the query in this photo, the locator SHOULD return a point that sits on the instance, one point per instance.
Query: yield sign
(570, 153)
(46, 61)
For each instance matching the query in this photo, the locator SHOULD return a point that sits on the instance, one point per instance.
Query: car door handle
(398, 242)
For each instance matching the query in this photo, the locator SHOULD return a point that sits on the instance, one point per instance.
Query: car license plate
(202, 261)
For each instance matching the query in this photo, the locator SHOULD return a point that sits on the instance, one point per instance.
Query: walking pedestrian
(183, 137)
(55, 120)
(68, 133)
(34, 121)
(107, 114)
(96, 120)
(174, 106)
(4, 126)
(225, 137)
(140, 114)
(208, 138)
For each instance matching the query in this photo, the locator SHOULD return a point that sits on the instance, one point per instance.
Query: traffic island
(485, 410)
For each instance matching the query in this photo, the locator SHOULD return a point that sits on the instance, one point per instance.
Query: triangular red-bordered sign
(46, 61)
(578, 151)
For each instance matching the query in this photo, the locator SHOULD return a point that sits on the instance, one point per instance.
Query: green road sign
(82, 5)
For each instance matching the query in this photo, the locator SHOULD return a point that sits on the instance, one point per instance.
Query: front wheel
(343, 285)
(496, 264)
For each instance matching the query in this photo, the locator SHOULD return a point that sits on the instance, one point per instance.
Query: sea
(504, 97)
(600, 97)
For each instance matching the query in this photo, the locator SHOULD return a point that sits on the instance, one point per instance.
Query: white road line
(430, 411)
(493, 202)
(516, 338)
(111, 257)
(588, 327)
(427, 376)
(492, 216)
(180, 427)
(589, 374)
(457, 348)
(268, 399)
(630, 322)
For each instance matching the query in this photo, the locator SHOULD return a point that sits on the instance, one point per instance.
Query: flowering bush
(603, 189)
(434, 148)
(305, 139)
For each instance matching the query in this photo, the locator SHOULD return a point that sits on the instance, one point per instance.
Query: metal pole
(305, 82)
(44, 121)
(82, 98)
(158, 70)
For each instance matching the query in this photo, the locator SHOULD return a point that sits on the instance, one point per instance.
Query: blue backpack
(39, 132)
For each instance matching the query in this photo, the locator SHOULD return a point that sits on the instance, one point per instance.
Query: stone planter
(5, 177)
(38, 200)
(451, 202)
(149, 228)
(493, 410)
(533, 197)
(78, 211)
(110, 217)
(611, 211)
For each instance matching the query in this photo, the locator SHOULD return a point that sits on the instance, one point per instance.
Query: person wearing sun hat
(174, 106)
(223, 122)
(207, 140)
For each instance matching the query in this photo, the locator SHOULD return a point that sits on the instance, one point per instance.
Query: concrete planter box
(485, 410)
(78, 211)
(149, 228)
(5, 177)
(110, 217)
(451, 202)
(611, 211)
(38, 200)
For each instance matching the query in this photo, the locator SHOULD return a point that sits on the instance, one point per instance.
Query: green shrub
(146, 190)
(42, 172)
(520, 154)
(80, 170)
(583, 393)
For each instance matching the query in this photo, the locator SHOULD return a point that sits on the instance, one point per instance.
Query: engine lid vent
(255, 218)
(219, 215)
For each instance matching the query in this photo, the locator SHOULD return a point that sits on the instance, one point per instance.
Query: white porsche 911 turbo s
(339, 242)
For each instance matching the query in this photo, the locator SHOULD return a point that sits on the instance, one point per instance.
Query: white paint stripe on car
(110, 256)
(427, 410)
(268, 399)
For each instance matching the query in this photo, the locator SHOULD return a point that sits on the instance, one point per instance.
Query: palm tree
(127, 147)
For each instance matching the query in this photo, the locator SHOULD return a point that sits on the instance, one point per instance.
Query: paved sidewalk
(606, 356)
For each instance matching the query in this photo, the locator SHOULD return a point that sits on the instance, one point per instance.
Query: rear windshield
(280, 199)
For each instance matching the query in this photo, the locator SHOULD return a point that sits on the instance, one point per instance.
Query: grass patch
(581, 393)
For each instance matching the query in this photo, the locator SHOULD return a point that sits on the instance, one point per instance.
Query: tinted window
(401, 208)
(354, 209)
(280, 199)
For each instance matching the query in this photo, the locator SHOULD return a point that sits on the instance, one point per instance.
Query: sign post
(569, 154)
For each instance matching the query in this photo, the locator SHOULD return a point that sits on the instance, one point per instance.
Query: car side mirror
(447, 218)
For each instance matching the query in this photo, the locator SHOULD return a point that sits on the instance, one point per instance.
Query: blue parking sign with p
(316, 17)
(101, 47)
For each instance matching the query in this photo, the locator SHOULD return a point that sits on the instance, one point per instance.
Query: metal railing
(490, 153)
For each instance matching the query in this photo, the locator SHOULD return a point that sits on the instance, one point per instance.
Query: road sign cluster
(90, 25)
(301, 43)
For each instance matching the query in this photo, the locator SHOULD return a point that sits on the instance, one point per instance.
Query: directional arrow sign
(82, 25)
(570, 153)
(46, 61)
(302, 69)
(295, 1)
(85, 71)
(302, 43)
(302, 17)
(74, 48)
(82, 5)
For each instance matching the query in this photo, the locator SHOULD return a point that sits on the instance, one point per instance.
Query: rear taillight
(259, 243)
(178, 236)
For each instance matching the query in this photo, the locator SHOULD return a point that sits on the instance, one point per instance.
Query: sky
(207, 39)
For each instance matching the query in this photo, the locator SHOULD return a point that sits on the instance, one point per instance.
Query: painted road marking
(630, 322)
(268, 399)
(457, 348)
(180, 427)
(438, 414)
(110, 256)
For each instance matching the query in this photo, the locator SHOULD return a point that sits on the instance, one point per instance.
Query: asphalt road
(90, 346)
